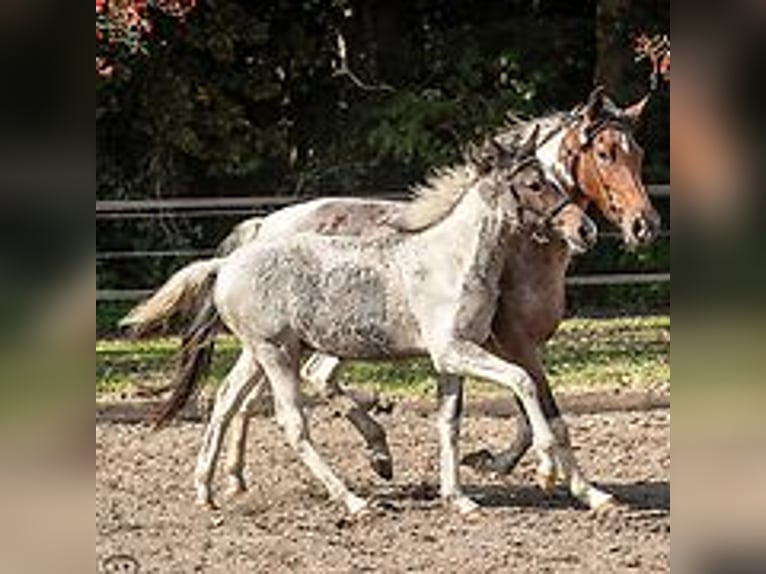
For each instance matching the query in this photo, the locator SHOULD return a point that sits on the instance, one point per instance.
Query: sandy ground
(285, 523)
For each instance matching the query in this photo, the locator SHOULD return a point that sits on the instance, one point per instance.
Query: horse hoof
(234, 491)
(607, 504)
(546, 482)
(383, 466)
(358, 508)
(480, 460)
(465, 507)
(207, 504)
(484, 462)
(363, 515)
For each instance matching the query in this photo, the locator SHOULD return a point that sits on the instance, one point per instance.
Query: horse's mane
(519, 127)
(434, 199)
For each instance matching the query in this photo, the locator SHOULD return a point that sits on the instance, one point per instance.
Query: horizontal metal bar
(206, 203)
(122, 294)
(619, 279)
(583, 280)
(113, 255)
(198, 253)
(242, 213)
(210, 203)
(192, 203)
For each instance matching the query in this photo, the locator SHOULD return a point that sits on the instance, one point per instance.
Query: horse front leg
(502, 463)
(450, 394)
(462, 357)
(520, 351)
(572, 475)
(564, 467)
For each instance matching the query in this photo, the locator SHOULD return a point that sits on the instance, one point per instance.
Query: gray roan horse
(590, 151)
(426, 284)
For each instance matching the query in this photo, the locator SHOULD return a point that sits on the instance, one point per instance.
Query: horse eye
(535, 186)
(603, 156)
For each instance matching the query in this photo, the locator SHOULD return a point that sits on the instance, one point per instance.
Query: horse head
(539, 204)
(604, 161)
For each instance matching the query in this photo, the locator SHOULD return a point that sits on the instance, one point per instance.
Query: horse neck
(533, 277)
(475, 234)
(529, 257)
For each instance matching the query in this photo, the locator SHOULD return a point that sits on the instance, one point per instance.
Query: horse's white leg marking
(578, 484)
(282, 372)
(547, 471)
(229, 396)
(450, 390)
(467, 358)
(238, 427)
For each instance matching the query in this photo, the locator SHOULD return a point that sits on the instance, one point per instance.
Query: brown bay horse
(590, 151)
(426, 284)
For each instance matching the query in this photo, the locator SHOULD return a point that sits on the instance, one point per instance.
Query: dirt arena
(285, 523)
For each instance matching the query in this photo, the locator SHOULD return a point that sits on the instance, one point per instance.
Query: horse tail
(198, 342)
(180, 294)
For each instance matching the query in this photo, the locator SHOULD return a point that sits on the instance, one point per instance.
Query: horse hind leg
(281, 369)
(235, 456)
(318, 370)
(229, 396)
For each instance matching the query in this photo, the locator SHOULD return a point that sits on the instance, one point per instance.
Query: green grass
(631, 352)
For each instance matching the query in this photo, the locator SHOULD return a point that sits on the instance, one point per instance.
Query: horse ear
(634, 112)
(595, 105)
(529, 147)
(498, 149)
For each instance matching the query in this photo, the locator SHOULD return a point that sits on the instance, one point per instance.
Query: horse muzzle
(577, 229)
(644, 229)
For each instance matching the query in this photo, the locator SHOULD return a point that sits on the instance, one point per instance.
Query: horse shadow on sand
(638, 496)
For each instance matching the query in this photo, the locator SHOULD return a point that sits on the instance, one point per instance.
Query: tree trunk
(613, 46)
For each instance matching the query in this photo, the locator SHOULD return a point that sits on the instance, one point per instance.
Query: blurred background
(289, 100)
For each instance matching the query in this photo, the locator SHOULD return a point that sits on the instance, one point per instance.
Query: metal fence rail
(269, 203)
(252, 206)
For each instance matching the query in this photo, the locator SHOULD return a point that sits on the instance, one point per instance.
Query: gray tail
(198, 341)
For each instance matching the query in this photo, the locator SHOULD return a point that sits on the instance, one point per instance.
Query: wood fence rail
(248, 206)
